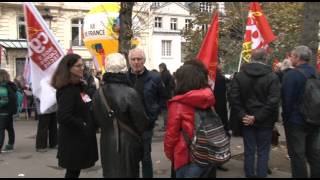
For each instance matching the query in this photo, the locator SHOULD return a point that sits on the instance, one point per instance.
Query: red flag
(258, 32)
(208, 53)
(45, 55)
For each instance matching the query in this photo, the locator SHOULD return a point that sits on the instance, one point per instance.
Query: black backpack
(310, 100)
(210, 144)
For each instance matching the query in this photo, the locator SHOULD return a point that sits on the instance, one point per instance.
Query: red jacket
(181, 110)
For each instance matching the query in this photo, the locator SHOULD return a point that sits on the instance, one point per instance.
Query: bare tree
(125, 34)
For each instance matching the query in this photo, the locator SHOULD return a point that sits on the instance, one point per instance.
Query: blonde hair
(4, 76)
(116, 63)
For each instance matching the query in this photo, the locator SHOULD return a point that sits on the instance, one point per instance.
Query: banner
(208, 53)
(45, 55)
(258, 33)
(101, 27)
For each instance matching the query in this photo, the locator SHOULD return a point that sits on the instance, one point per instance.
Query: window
(204, 27)
(187, 23)
(173, 24)
(158, 22)
(205, 7)
(76, 31)
(166, 48)
(20, 66)
(21, 28)
(156, 4)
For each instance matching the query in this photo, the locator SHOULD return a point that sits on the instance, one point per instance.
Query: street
(24, 161)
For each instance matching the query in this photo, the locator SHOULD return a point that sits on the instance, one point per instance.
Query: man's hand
(248, 120)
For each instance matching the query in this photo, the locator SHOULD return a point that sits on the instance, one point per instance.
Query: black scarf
(120, 78)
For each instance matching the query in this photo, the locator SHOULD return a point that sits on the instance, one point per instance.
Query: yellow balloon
(101, 31)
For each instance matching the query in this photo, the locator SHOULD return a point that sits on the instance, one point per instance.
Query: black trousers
(47, 124)
(6, 123)
(72, 173)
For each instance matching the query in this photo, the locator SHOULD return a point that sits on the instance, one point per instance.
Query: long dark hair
(62, 75)
(4, 76)
(191, 75)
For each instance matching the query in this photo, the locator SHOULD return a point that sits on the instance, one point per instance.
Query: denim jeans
(189, 171)
(256, 138)
(303, 143)
(147, 169)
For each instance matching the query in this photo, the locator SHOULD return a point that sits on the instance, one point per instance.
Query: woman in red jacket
(192, 91)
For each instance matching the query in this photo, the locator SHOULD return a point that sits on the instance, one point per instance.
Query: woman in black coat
(128, 109)
(77, 143)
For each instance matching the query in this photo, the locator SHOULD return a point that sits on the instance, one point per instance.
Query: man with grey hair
(302, 139)
(255, 96)
(151, 90)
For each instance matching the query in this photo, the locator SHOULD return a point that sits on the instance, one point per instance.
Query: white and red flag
(45, 54)
(258, 32)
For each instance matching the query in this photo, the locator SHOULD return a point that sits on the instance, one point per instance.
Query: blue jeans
(256, 138)
(303, 143)
(147, 169)
(189, 171)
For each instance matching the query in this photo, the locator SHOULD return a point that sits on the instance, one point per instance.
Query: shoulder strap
(116, 122)
(305, 74)
(110, 114)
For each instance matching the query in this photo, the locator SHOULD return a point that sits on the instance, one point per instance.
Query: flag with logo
(258, 32)
(208, 53)
(45, 54)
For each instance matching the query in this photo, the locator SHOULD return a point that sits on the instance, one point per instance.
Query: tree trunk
(125, 34)
(310, 34)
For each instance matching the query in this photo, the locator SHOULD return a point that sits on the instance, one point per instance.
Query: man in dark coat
(168, 81)
(128, 108)
(151, 91)
(302, 138)
(255, 95)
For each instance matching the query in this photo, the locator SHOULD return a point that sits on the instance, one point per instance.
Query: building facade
(157, 24)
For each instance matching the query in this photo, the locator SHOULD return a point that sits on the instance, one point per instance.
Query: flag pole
(240, 61)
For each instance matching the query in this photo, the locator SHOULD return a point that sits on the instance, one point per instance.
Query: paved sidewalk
(24, 161)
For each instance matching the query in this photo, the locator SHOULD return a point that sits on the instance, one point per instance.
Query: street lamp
(47, 16)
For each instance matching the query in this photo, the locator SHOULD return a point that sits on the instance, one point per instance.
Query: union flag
(258, 32)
